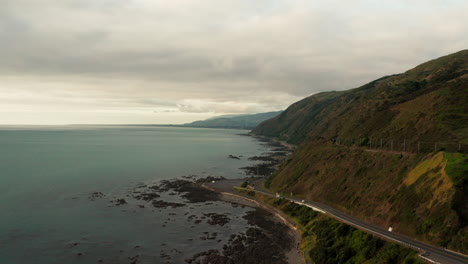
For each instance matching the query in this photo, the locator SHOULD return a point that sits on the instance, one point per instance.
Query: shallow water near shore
(60, 186)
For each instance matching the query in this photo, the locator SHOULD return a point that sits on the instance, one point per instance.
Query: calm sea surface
(47, 175)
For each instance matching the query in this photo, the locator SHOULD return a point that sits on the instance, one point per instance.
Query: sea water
(48, 174)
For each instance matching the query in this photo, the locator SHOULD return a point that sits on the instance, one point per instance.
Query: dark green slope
(427, 103)
(239, 122)
(386, 152)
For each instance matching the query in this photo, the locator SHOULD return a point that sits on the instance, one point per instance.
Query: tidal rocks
(147, 196)
(264, 243)
(119, 202)
(207, 236)
(262, 158)
(95, 195)
(134, 259)
(270, 159)
(72, 244)
(197, 194)
(190, 190)
(234, 157)
(263, 169)
(217, 219)
(211, 219)
(164, 204)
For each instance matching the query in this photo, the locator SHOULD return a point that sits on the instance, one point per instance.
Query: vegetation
(428, 104)
(457, 169)
(244, 184)
(326, 240)
(245, 191)
(423, 194)
(238, 122)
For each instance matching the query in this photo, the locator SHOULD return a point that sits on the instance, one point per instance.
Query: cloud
(207, 56)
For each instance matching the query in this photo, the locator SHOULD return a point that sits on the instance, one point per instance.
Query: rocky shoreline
(266, 240)
(270, 161)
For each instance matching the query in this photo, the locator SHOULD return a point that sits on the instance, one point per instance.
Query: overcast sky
(174, 61)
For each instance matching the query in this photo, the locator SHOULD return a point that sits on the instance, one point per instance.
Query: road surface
(430, 253)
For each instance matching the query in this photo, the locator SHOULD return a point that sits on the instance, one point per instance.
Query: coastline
(268, 162)
(272, 236)
(159, 217)
(294, 255)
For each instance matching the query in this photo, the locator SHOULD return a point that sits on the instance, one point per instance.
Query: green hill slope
(240, 122)
(427, 103)
(385, 152)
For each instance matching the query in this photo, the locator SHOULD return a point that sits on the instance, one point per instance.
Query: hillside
(239, 122)
(427, 103)
(387, 151)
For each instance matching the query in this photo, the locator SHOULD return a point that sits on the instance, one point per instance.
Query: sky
(160, 62)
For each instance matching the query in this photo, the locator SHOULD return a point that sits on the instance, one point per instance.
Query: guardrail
(368, 228)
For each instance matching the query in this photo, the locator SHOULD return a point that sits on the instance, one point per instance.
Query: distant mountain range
(391, 152)
(234, 121)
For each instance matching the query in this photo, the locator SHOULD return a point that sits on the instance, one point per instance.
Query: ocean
(49, 178)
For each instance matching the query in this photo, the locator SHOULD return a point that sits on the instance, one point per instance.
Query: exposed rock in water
(191, 191)
(120, 201)
(217, 219)
(266, 243)
(147, 196)
(233, 157)
(96, 195)
(164, 204)
(263, 169)
(270, 159)
(262, 158)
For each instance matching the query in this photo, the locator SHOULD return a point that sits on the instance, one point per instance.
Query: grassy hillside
(428, 103)
(238, 122)
(415, 194)
(325, 240)
(421, 193)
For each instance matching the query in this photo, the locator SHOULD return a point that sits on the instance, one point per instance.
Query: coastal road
(430, 253)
